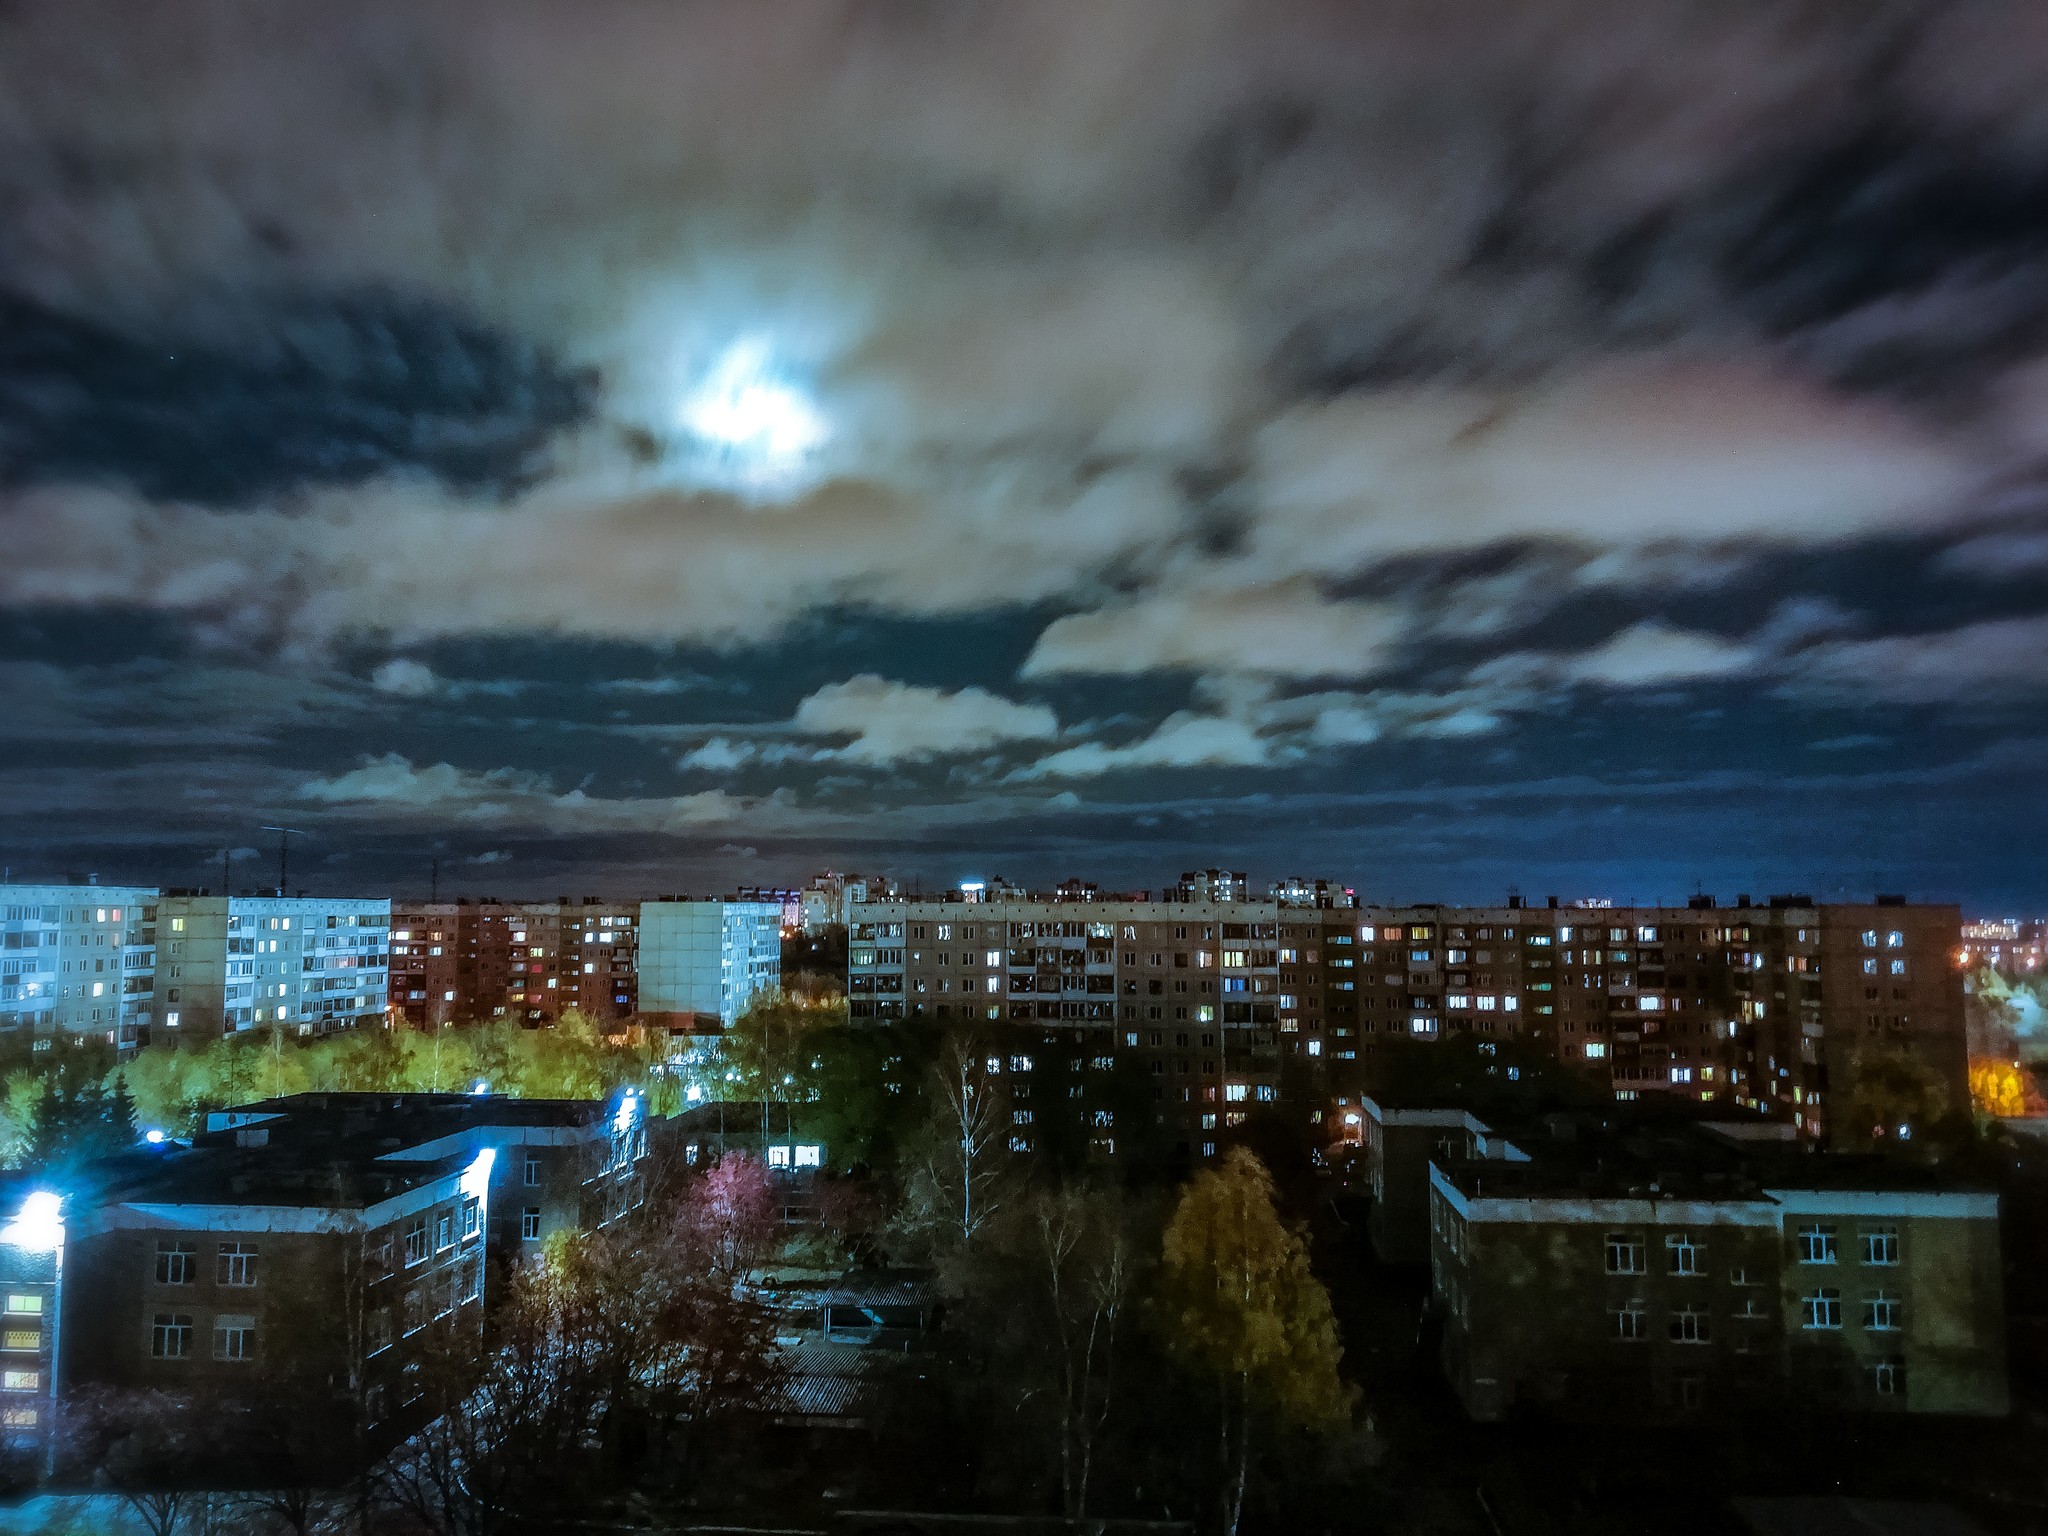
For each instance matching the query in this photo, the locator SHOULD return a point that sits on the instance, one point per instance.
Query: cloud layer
(1216, 398)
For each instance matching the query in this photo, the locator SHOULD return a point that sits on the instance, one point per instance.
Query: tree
(773, 1047)
(1238, 1302)
(1892, 1094)
(727, 1218)
(956, 1175)
(2004, 1088)
(1080, 1255)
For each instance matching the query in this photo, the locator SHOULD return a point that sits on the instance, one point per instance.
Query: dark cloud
(1396, 441)
(316, 392)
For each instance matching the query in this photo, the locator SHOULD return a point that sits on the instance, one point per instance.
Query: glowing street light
(38, 1226)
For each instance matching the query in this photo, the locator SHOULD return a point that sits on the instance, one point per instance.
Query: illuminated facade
(456, 962)
(32, 1244)
(306, 965)
(707, 960)
(77, 961)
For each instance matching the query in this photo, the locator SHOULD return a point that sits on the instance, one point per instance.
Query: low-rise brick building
(1620, 1273)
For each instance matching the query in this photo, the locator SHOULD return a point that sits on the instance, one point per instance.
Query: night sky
(630, 448)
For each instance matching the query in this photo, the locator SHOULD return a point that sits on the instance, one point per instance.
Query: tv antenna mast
(284, 837)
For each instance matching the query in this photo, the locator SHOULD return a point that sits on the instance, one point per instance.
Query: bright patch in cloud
(752, 415)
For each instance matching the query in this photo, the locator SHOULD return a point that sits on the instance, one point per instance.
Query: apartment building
(1185, 996)
(1763, 1004)
(461, 961)
(703, 962)
(311, 965)
(77, 962)
(1615, 1274)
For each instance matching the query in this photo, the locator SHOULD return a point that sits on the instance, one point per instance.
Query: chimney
(1553, 902)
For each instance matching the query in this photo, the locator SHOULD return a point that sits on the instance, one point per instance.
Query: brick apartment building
(458, 962)
(1233, 1003)
(1622, 1273)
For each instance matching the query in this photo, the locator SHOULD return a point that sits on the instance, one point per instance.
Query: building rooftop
(223, 1173)
(1637, 1157)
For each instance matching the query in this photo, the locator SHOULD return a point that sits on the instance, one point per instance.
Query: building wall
(1398, 1146)
(458, 962)
(1761, 1005)
(229, 964)
(77, 961)
(1951, 1339)
(1530, 1305)
(335, 1302)
(29, 1330)
(708, 957)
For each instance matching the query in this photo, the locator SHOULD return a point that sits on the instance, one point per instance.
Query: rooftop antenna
(284, 837)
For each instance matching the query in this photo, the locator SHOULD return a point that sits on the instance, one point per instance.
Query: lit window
(21, 1381)
(17, 1418)
(1595, 1049)
(24, 1305)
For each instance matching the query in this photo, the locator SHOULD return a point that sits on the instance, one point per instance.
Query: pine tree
(120, 1116)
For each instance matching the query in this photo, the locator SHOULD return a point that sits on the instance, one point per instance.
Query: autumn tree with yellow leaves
(1239, 1305)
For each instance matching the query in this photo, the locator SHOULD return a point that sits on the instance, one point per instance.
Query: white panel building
(77, 960)
(310, 964)
(708, 958)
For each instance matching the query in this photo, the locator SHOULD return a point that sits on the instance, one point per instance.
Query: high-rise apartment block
(310, 965)
(1763, 1004)
(463, 961)
(703, 962)
(77, 961)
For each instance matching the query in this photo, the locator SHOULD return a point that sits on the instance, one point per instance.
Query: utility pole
(284, 836)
